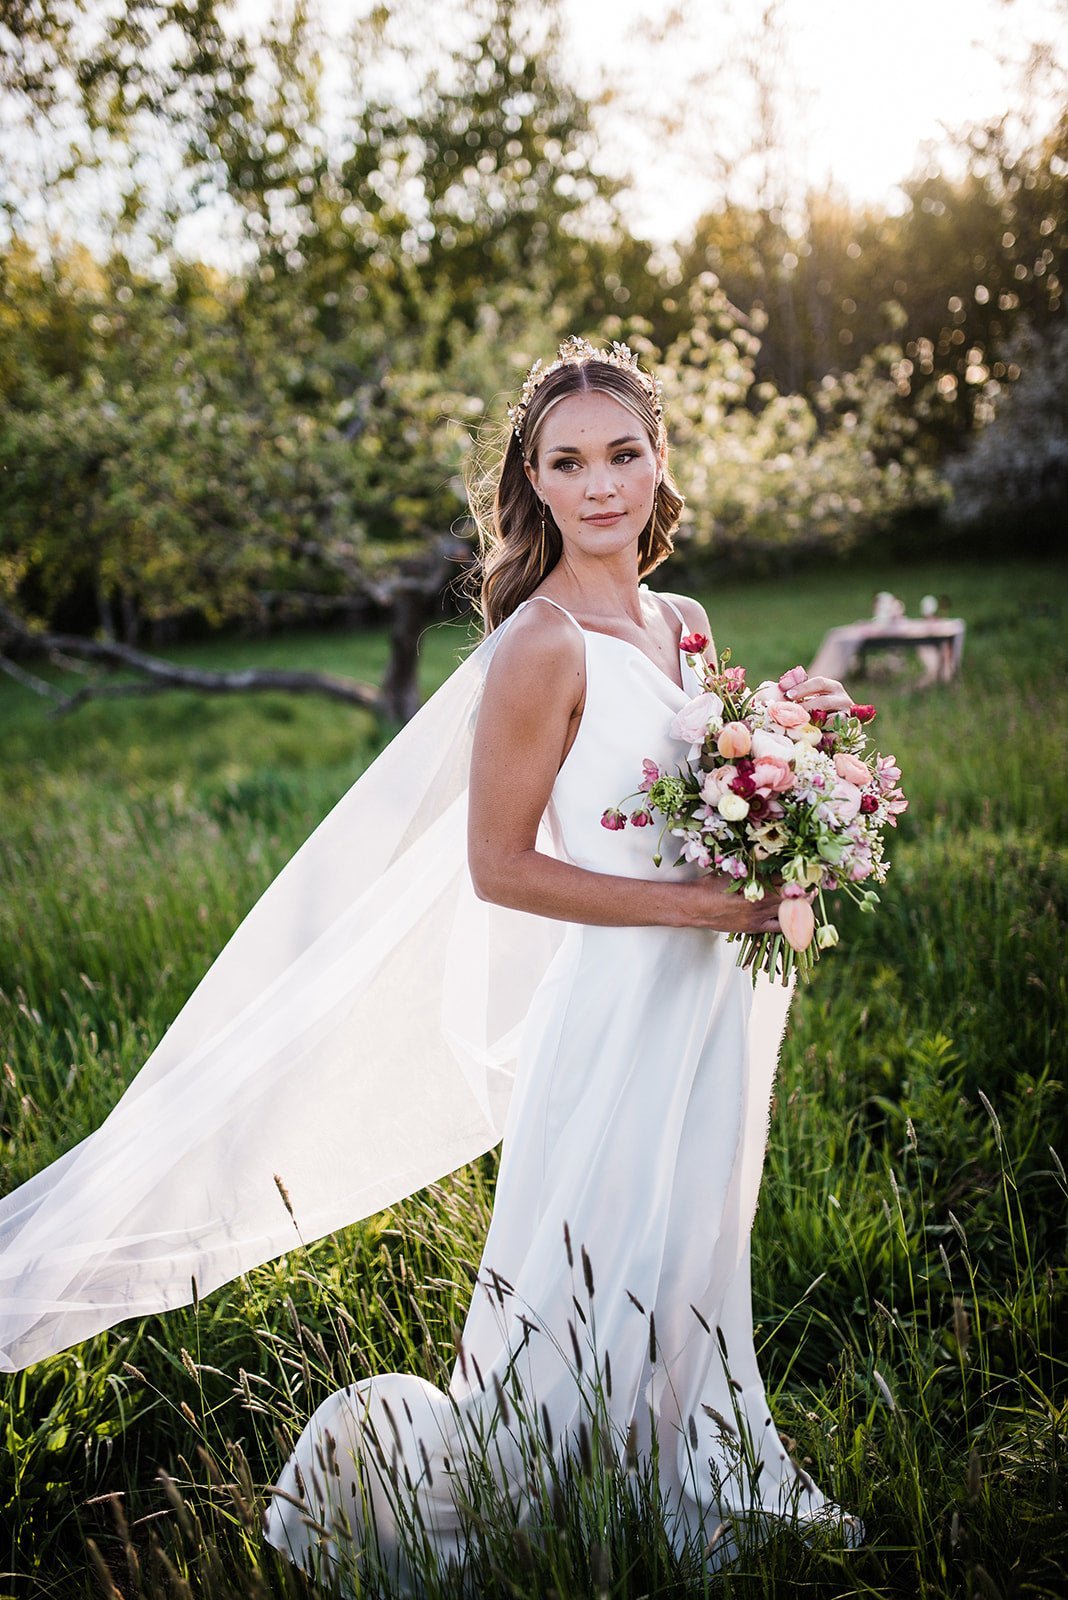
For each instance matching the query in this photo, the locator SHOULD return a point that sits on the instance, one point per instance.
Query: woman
(635, 1133)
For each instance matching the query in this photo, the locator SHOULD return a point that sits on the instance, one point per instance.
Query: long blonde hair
(514, 558)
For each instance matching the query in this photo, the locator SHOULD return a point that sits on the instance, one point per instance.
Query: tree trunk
(413, 609)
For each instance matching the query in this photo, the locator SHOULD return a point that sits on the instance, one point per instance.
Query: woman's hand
(821, 694)
(717, 906)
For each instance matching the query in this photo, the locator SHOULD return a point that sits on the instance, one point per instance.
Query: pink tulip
(798, 922)
(734, 740)
(852, 770)
(788, 715)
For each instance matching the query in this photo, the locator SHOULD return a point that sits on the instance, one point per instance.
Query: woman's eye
(560, 465)
(626, 455)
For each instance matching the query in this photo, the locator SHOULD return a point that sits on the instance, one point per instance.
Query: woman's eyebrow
(574, 450)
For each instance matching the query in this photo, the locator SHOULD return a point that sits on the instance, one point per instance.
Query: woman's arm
(531, 702)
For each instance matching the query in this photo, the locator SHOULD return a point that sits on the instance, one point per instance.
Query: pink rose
(717, 782)
(771, 744)
(772, 775)
(787, 715)
(791, 679)
(734, 740)
(852, 770)
(692, 722)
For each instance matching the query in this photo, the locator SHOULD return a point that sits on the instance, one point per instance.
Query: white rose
(732, 806)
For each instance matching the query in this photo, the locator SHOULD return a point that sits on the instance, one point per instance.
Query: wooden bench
(938, 641)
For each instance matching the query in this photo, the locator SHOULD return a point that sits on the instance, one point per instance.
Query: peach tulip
(798, 922)
(734, 740)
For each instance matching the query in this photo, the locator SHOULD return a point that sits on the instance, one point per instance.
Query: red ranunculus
(868, 804)
(693, 644)
(743, 785)
(862, 713)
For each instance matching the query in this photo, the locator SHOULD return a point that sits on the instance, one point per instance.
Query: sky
(866, 86)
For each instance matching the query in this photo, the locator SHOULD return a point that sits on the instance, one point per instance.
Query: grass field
(910, 1278)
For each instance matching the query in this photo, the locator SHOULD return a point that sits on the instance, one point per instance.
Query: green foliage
(909, 1250)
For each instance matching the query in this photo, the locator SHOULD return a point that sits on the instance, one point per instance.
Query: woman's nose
(599, 482)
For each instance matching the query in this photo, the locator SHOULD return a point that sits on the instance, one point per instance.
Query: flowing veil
(355, 1039)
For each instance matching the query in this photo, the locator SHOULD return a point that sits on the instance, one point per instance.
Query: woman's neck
(600, 589)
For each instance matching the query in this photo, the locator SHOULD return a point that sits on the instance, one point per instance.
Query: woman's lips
(604, 519)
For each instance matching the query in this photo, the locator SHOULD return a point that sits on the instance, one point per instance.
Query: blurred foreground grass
(909, 1253)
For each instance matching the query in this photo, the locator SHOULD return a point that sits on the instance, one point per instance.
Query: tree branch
(157, 674)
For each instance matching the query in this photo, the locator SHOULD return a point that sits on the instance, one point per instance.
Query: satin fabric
(630, 1167)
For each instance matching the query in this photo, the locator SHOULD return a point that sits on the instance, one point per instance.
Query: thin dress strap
(559, 607)
(671, 606)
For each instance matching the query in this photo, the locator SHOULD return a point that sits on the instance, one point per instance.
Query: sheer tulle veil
(355, 1039)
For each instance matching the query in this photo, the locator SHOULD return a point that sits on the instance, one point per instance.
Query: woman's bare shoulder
(693, 613)
(540, 647)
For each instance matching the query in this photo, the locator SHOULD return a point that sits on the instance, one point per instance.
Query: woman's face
(597, 472)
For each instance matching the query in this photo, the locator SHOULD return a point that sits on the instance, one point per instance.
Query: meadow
(909, 1267)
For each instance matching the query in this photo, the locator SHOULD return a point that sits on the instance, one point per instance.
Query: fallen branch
(157, 674)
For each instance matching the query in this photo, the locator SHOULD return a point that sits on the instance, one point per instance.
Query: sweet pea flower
(791, 679)
(694, 644)
(732, 866)
(650, 773)
(698, 718)
(771, 744)
(772, 775)
(732, 806)
(734, 740)
(787, 714)
(693, 850)
(887, 773)
(734, 678)
(852, 770)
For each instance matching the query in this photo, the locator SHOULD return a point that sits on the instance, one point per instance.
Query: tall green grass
(910, 1277)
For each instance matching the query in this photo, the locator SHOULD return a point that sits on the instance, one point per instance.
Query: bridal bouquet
(774, 795)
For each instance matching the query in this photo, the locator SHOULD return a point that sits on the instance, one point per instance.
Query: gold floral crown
(576, 352)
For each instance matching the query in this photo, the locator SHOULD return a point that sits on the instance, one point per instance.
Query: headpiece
(576, 352)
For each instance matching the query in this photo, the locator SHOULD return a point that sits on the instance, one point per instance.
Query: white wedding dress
(637, 1122)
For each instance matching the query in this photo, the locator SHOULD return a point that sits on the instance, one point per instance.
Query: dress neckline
(628, 644)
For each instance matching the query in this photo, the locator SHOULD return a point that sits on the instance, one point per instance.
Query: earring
(541, 549)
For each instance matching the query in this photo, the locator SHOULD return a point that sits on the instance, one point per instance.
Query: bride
(461, 951)
(634, 1137)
